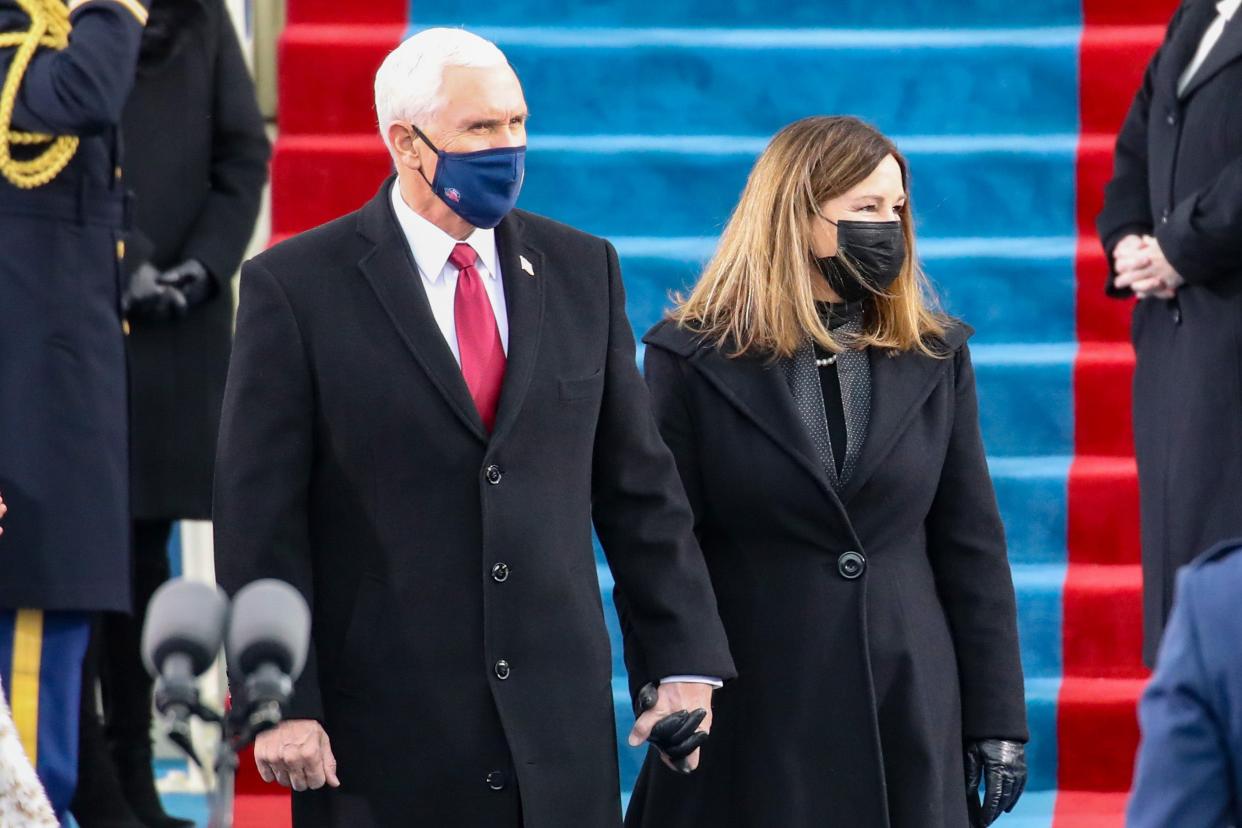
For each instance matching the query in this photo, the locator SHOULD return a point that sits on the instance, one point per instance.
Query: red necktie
(478, 338)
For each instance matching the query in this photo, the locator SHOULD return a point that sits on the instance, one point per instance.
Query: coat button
(496, 780)
(1171, 120)
(500, 573)
(502, 669)
(493, 475)
(851, 565)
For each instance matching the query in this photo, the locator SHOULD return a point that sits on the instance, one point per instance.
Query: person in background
(1189, 767)
(1172, 227)
(823, 417)
(198, 155)
(64, 456)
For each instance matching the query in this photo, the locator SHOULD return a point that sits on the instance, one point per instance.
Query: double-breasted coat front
(1178, 175)
(874, 631)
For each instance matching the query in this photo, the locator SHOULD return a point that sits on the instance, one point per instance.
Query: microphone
(269, 632)
(180, 639)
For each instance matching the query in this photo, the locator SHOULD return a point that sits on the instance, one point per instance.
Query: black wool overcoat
(197, 163)
(1178, 174)
(874, 631)
(460, 660)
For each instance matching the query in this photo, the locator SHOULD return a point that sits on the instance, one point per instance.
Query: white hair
(408, 83)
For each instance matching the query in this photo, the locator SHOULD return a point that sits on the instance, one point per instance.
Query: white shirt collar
(431, 246)
(1228, 8)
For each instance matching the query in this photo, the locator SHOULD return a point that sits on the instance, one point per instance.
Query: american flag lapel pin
(525, 263)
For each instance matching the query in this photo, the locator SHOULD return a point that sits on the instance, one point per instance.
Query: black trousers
(126, 685)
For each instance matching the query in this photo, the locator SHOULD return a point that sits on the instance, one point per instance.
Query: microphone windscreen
(184, 617)
(270, 622)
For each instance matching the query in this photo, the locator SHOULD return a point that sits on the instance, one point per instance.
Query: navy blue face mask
(481, 186)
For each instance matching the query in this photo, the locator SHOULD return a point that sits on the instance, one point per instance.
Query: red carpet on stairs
(1102, 625)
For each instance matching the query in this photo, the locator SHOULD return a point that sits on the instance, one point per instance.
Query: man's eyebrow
(494, 122)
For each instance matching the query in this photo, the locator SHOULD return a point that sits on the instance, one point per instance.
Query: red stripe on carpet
(327, 76)
(251, 811)
(1085, 809)
(1127, 12)
(335, 11)
(1097, 726)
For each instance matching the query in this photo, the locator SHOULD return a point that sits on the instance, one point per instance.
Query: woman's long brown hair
(755, 295)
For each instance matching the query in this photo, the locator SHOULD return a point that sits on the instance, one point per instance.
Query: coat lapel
(758, 389)
(390, 269)
(1184, 45)
(1226, 51)
(523, 272)
(899, 385)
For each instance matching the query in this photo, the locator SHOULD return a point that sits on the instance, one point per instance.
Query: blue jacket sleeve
(81, 89)
(1182, 774)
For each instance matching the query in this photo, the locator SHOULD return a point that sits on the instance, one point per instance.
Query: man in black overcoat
(1172, 226)
(429, 402)
(198, 155)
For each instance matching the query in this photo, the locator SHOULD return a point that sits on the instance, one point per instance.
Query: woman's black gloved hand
(192, 280)
(148, 298)
(676, 735)
(1001, 766)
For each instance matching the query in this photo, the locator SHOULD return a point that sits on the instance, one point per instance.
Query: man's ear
(405, 146)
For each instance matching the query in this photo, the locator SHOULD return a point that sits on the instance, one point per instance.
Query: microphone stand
(266, 691)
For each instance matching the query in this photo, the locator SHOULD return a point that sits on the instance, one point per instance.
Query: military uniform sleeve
(81, 89)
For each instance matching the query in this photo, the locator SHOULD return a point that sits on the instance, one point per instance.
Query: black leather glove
(677, 735)
(192, 280)
(1001, 766)
(147, 298)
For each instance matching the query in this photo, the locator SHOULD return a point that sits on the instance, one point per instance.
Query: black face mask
(877, 250)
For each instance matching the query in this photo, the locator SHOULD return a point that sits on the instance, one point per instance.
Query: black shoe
(138, 782)
(99, 801)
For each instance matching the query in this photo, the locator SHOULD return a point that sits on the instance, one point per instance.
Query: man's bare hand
(1145, 270)
(296, 754)
(3, 509)
(677, 697)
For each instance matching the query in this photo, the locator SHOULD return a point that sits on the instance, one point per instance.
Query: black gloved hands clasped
(677, 735)
(168, 295)
(1001, 766)
(192, 279)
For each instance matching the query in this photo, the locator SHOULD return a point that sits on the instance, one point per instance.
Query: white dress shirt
(1226, 9)
(431, 248)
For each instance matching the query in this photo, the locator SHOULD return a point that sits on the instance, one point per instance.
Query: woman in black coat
(1172, 223)
(196, 163)
(825, 426)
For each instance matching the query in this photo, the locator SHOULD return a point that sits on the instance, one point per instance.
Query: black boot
(98, 801)
(137, 775)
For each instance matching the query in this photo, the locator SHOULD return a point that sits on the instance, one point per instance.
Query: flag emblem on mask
(452, 194)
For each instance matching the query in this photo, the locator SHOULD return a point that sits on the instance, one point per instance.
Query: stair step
(758, 13)
(961, 186)
(1103, 379)
(392, 12)
(1098, 733)
(715, 81)
(1103, 621)
(1103, 526)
